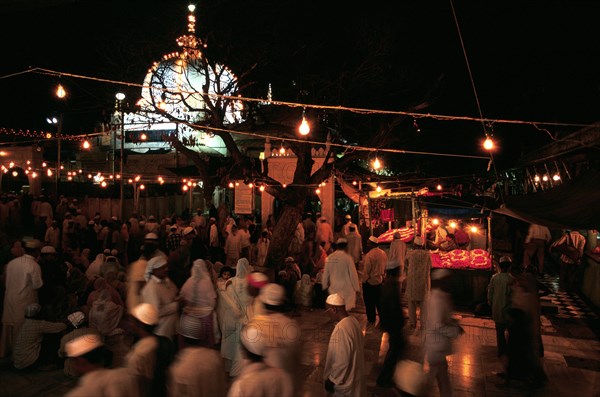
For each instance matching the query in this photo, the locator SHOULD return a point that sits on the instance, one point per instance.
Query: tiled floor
(569, 304)
(572, 361)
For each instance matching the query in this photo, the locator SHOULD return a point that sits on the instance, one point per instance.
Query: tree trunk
(282, 236)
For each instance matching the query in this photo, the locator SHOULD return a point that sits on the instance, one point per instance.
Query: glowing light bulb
(282, 150)
(48, 135)
(44, 164)
(192, 8)
(162, 105)
(354, 183)
(304, 128)
(86, 144)
(118, 176)
(536, 178)
(488, 144)
(80, 171)
(103, 184)
(435, 221)
(61, 92)
(62, 167)
(378, 189)
(474, 229)
(34, 174)
(439, 187)
(130, 180)
(261, 188)
(545, 178)
(28, 162)
(69, 178)
(137, 178)
(237, 184)
(556, 177)
(453, 225)
(120, 96)
(89, 176)
(231, 185)
(26, 172)
(15, 173)
(376, 164)
(190, 183)
(250, 185)
(318, 191)
(11, 164)
(143, 137)
(284, 185)
(49, 172)
(185, 188)
(142, 186)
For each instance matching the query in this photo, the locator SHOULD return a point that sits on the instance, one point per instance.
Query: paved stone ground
(572, 360)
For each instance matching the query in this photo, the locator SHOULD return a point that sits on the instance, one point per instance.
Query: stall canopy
(573, 205)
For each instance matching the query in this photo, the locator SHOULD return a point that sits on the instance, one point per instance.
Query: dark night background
(535, 60)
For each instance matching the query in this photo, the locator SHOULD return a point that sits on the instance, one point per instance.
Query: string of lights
(416, 115)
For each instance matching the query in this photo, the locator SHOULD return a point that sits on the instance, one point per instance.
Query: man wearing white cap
(279, 334)
(29, 341)
(417, 278)
(136, 274)
(340, 276)
(23, 278)
(77, 320)
(258, 379)
(344, 373)
(88, 353)
(347, 225)
(372, 277)
(151, 355)
(161, 292)
(355, 247)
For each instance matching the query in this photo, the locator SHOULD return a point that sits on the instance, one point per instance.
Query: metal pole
(121, 161)
(58, 136)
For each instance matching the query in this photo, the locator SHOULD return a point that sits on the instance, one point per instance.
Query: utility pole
(120, 96)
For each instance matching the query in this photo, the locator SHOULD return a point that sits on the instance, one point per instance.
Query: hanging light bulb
(44, 164)
(11, 164)
(34, 174)
(89, 176)
(261, 188)
(137, 178)
(376, 163)
(284, 185)
(118, 176)
(378, 189)
(162, 105)
(304, 128)
(439, 187)
(545, 178)
(231, 185)
(69, 178)
(185, 188)
(281, 150)
(318, 191)
(536, 178)
(488, 144)
(143, 137)
(474, 229)
(130, 180)
(86, 144)
(15, 173)
(435, 221)
(556, 177)
(452, 225)
(354, 183)
(49, 172)
(60, 91)
(142, 186)
(237, 184)
(250, 185)
(103, 184)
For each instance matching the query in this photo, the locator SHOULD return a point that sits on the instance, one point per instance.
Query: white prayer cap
(341, 240)
(151, 236)
(76, 318)
(114, 252)
(374, 240)
(48, 249)
(212, 218)
(252, 339)
(32, 309)
(173, 227)
(106, 251)
(145, 313)
(272, 294)
(418, 240)
(439, 274)
(188, 230)
(348, 217)
(335, 300)
(393, 264)
(505, 258)
(83, 344)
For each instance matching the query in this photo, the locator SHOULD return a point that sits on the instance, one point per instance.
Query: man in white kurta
(23, 279)
(355, 247)
(340, 276)
(324, 234)
(161, 292)
(344, 372)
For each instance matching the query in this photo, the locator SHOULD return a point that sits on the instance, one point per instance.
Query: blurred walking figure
(324, 234)
(440, 329)
(417, 279)
(161, 293)
(398, 253)
(391, 320)
(340, 276)
(344, 373)
(498, 297)
(535, 244)
(570, 258)
(374, 269)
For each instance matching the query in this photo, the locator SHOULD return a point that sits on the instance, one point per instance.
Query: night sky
(537, 60)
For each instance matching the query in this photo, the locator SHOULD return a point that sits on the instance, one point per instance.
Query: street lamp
(120, 96)
(58, 123)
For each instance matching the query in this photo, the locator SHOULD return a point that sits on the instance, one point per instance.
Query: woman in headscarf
(198, 299)
(93, 269)
(233, 304)
(99, 285)
(105, 315)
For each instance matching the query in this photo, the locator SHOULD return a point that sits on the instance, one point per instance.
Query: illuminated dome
(175, 85)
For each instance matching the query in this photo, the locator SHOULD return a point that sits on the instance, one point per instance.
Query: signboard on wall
(244, 199)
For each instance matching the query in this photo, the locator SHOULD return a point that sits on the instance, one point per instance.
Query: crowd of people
(160, 305)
